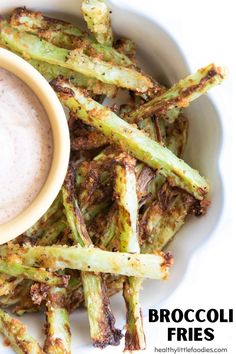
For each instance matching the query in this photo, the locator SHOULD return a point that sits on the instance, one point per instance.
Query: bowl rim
(61, 145)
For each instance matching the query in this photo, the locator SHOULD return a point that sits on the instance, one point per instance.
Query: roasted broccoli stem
(17, 335)
(94, 182)
(65, 35)
(32, 21)
(101, 319)
(50, 72)
(58, 335)
(97, 15)
(93, 260)
(131, 139)
(73, 214)
(125, 194)
(93, 50)
(134, 336)
(180, 95)
(36, 48)
(125, 190)
(75, 295)
(40, 275)
(166, 215)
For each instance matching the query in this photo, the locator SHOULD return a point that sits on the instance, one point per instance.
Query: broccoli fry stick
(162, 226)
(127, 201)
(37, 274)
(35, 48)
(73, 215)
(131, 139)
(50, 72)
(166, 215)
(134, 336)
(101, 319)
(17, 335)
(94, 50)
(32, 21)
(65, 35)
(181, 94)
(93, 260)
(75, 296)
(97, 15)
(90, 176)
(126, 197)
(58, 336)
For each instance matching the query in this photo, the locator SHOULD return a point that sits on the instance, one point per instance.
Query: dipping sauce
(26, 146)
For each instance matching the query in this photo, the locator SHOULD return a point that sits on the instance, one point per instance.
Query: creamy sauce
(25, 146)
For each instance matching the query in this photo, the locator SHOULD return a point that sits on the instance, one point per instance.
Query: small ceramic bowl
(61, 145)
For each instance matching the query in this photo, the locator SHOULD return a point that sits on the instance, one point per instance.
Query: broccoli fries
(97, 16)
(96, 87)
(93, 259)
(101, 319)
(181, 94)
(37, 274)
(58, 336)
(126, 196)
(18, 336)
(59, 34)
(127, 191)
(35, 48)
(131, 139)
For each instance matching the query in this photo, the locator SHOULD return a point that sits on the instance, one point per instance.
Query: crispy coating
(180, 95)
(39, 293)
(18, 336)
(133, 141)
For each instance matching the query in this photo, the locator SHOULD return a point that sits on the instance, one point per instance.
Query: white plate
(161, 57)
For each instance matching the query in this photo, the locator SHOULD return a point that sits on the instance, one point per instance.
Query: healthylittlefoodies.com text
(197, 325)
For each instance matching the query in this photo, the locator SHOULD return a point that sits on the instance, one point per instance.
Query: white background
(205, 31)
